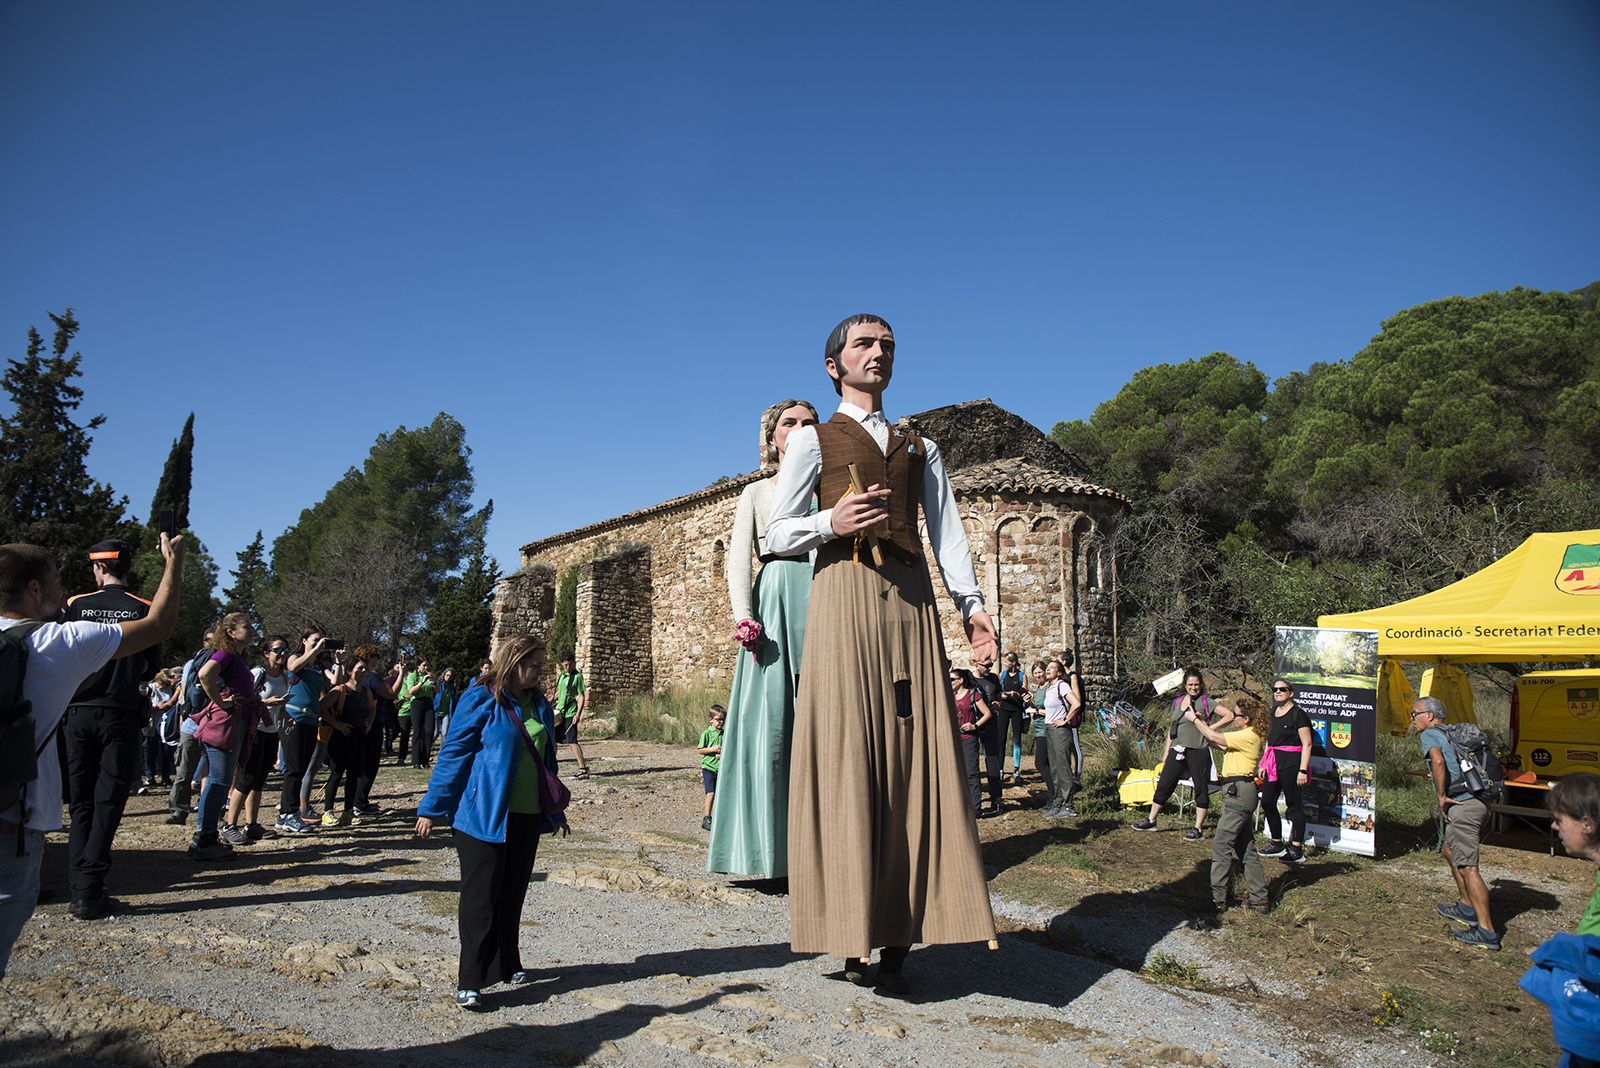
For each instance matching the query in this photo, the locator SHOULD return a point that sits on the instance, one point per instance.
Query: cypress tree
(177, 478)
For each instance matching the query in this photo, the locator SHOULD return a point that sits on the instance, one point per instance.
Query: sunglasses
(1280, 689)
(279, 649)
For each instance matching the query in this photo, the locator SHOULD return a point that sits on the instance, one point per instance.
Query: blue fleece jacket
(472, 777)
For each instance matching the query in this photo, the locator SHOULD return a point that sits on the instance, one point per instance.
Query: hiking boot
(213, 852)
(1273, 848)
(855, 971)
(177, 819)
(1194, 834)
(1459, 912)
(1477, 936)
(1263, 908)
(234, 837)
(1145, 824)
(95, 908)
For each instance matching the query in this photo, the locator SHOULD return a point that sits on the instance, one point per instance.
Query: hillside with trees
(1464, 425)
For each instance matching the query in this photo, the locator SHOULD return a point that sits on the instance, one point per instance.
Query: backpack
(193, 698)
(19, 757)
(1481, 772)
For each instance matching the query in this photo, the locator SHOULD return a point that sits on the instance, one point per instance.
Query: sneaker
(214, 852)
(143, 789)
(368, 809)
(1293, 855)
(1459, 912)
(1263, 908)
(470, 1000)
(255, 832)
(519, 978)
(1145, 824)
(310, 815)
(177, 819)
(1272, 849)
(1193, 834)
(289, 823)
(330, 820)
(357, 817)
(1477, 936)
(1066, 811)
(234, 837)
(705, 824)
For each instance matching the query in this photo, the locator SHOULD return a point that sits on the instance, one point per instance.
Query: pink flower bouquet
(748, 634)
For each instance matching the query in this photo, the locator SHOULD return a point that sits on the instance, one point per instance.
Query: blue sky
(605, 235)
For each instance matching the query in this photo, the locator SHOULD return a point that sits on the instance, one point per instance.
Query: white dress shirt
(793, 529)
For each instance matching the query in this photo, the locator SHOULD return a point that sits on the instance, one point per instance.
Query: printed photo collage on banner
(1335, 677)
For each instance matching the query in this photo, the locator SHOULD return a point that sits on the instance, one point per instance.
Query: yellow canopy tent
(1541, 601)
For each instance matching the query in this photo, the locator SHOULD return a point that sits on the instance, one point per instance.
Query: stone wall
(524, 603)
(690, 637)
(615, 612)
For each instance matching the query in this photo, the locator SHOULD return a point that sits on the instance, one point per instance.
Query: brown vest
(844, 442)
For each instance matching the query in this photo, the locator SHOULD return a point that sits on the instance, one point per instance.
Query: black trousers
(1289, 787)
(970, 745)
(494, 884)
(299, 742)
(405, 738)
(102, 746)
(347, 764)
(422, 722)
(1197, 763)
(371, 759)
(989, 736)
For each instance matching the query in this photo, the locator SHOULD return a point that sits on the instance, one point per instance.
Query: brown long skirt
(883, 848)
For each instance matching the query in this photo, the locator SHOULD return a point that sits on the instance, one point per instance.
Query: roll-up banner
(1335, 678)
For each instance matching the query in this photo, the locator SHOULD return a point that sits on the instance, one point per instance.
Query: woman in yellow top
(1234, 842)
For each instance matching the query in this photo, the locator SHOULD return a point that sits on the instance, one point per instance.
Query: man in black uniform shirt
(102, 732)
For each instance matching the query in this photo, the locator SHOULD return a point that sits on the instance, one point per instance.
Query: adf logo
(1341, 736)
(1580, 571)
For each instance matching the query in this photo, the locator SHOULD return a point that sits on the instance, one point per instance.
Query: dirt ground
(340, 950)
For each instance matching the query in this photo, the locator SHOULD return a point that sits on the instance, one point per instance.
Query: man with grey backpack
(1465, 815)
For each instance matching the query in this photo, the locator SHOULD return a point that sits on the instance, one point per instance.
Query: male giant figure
(883, 850)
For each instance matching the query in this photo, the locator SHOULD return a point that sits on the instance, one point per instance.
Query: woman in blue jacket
(486, 782)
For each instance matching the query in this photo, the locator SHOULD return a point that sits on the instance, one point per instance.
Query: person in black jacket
(101, 732)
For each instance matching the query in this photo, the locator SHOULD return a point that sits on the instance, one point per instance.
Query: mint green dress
(750, 820)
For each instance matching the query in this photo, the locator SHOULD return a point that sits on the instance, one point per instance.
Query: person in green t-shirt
(572, 700)
(711, 759)
(414, 706)
(1575, 811)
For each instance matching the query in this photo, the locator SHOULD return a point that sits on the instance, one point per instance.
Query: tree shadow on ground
(1001, 854)
(250, 879)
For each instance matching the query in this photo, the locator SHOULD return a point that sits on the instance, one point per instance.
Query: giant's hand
(856, 512)
(980, 634)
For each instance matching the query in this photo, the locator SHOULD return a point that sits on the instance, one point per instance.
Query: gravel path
(340, 950)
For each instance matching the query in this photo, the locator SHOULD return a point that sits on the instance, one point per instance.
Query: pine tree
(459, 622)
(248, 579)
(46, 495)
(177, 479)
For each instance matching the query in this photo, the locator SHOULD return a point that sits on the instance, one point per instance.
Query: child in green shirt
(711, 759)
